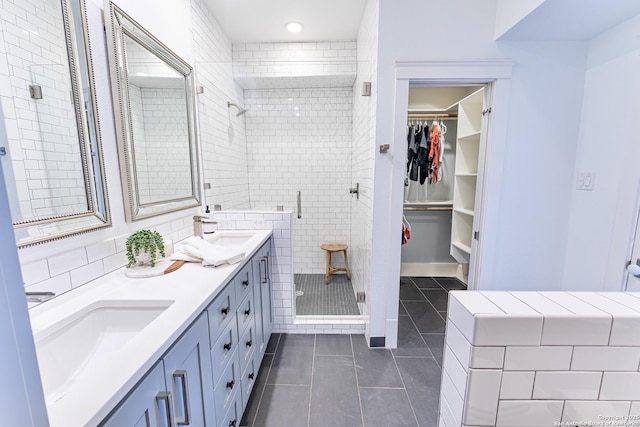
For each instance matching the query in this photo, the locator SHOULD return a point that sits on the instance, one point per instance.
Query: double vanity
(179, 349)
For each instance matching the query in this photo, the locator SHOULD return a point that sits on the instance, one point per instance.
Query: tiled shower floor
(336, 298)
(338, 381)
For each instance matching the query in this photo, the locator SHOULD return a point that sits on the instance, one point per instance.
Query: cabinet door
(187, 368)
(266, 292)
(262, 295)
(148, 405)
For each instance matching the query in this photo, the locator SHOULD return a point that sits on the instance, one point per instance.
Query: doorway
(496, 76)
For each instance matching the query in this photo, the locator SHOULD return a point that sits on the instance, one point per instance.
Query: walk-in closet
(443, 179)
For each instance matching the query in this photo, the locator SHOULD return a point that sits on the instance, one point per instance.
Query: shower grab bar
(299, 204)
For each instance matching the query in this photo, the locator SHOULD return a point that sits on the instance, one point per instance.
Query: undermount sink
(231, 238)
(84, 340)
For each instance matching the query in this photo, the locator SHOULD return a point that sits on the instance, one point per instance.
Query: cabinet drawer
(234, 413)
(249, 376)
(226, 389)
(246, 311)
(221, 311)
(243, 282)
(223, 350)
(246, 345)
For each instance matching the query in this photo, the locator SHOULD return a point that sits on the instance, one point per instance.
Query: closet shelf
(467, 175)
(464, 211)
(469, 136)
(464, 248)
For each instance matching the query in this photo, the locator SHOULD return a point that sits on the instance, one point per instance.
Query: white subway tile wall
(222, 134)
(300, 140)
(541, 384)
(294, 65)
(41, 133)
(363, 152)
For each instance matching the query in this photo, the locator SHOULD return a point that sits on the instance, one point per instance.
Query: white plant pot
(143, 258)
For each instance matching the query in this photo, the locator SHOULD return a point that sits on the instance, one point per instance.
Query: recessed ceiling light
(293, 27)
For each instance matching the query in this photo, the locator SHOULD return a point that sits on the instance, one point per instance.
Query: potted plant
(143, 247)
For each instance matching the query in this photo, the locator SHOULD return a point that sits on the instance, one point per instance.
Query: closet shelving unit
(466, 174)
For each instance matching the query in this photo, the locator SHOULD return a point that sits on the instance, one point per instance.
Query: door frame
(497, 74)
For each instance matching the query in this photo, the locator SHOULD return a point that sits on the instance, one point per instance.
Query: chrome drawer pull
(181, 375)
(163, 403)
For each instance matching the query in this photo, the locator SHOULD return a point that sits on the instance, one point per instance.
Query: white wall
(601, 221)
(510, 12)
(21, 399)
(546, 95)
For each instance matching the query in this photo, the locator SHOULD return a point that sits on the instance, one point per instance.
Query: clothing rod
(431, 116)
(427, 208)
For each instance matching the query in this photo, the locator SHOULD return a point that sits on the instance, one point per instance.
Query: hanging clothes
(406, 230)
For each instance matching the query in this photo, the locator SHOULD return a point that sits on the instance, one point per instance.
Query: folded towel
(197, 249)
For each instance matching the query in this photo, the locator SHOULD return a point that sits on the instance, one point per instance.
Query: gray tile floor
(338, 381)
(336, 298)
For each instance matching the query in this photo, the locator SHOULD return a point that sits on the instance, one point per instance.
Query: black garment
(412, 154)
(423, 155)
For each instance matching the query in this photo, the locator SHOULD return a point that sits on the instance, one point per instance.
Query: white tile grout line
(355, 368)
(404, 387)
(313, 362)
(252, 422)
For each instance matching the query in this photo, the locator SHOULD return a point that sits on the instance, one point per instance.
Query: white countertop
(192, 288)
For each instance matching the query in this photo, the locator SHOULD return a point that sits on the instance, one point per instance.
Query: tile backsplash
(68, 269)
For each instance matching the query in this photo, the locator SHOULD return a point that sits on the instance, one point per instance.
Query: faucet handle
(39, 296)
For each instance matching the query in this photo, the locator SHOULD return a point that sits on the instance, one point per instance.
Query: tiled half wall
(541, 359)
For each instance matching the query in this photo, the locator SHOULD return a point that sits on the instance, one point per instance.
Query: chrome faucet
(39, 296)
(197, 225)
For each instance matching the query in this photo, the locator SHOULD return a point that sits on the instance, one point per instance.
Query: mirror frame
(119, 25)
(102, 219)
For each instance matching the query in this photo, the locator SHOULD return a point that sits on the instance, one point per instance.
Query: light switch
(586, 181)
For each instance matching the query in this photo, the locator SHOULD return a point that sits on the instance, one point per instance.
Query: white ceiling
(572, 19)
(245, 21)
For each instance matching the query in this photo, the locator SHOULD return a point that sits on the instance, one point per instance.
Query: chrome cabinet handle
(249, 343)
(251, 375)
(183, 391)
(299, 197)
(247, 312)
(264, 280)
(225, 310)
(230, 384)
(227, 346)
(163, 402)
(245, 282)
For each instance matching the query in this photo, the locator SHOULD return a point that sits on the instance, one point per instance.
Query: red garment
(406, 234)
(434, 152)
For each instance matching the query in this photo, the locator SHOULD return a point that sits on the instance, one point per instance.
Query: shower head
(240, 112)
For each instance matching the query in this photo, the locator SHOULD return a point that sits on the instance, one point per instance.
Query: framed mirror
(153, 93)
(50, 141)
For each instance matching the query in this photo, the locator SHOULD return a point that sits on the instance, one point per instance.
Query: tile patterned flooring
(338, 381)
(336, 298)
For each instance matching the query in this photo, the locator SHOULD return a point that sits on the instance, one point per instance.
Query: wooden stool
(331, 248)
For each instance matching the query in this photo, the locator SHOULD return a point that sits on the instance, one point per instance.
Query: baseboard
(430, 269)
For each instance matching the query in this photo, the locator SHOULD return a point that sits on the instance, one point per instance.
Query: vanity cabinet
(207, 376)
(176, 390)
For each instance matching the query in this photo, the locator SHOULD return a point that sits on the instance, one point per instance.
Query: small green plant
(145, 241)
